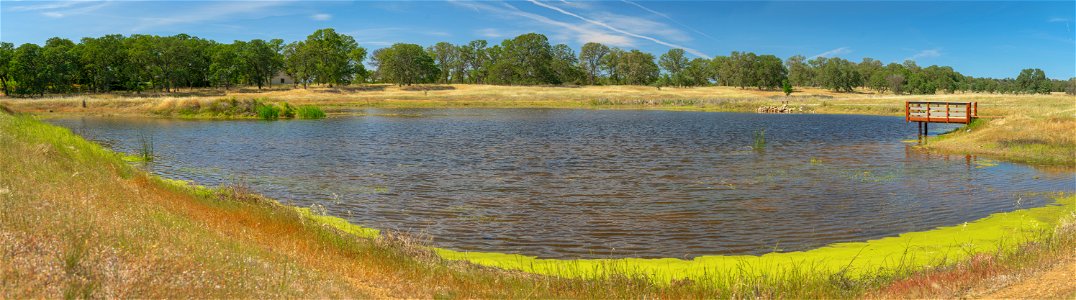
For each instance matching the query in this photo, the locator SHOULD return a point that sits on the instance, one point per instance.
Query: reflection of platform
(939, 112)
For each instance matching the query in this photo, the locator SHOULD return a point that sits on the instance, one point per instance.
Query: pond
(557, 183)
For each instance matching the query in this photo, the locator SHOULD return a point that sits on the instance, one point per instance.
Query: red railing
(940, 112)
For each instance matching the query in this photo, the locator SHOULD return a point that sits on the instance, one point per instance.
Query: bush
(309, 112)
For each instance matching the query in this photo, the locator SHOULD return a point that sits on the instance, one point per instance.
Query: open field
(78, 221)
(1033, 129)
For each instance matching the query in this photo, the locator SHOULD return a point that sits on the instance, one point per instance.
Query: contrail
(667, 17)
(671, 45)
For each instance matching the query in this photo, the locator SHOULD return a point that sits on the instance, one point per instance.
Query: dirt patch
(1056, 282)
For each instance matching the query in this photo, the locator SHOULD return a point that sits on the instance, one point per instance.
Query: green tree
(770, 72)
(590, 56)
(638, 68)
(525, 60)
(224, 67)
(60, 68)
(7, 54)
(698, 72)
(1032, 81)
(332, 56)
(786, 87)
(446, 56)
(674, 62)
(799, 72)
(27, 68)
(104, 60)
(565, 66)
(405, 64)
(839, 75)
(610, 63)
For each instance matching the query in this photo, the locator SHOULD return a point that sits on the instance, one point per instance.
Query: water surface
(595, 184)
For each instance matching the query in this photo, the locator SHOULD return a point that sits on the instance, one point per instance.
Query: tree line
(167, 63)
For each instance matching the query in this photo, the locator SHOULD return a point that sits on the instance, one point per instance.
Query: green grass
(760, 140)
(309, 112)
(267, 112)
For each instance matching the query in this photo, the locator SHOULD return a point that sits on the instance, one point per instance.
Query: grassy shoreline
(1030, 129)
(98, 227)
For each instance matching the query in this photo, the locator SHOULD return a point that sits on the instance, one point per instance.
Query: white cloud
(1058, 20)
(490, 33)
(929, 53)
(321, 17)
(835, 52)
(619, 30)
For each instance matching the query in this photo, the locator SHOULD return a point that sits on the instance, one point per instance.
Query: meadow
(78, 220)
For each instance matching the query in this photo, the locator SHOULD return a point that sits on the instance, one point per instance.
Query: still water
(596, 184)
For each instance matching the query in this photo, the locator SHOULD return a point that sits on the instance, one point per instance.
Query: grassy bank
(1034, 129)
(77, 221)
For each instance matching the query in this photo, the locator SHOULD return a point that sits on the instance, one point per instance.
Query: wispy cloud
(667, 17)
(63, 8)
(321, 17)
(489, 33)
(929, 53)
(618, 30)
(581, 33)
(1058, 20)
(211, 11)
(835, 52)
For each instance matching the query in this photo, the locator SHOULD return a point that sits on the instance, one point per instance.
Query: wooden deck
(941, 112)
(925, 112)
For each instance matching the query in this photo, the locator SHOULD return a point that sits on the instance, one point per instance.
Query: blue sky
(992, 39)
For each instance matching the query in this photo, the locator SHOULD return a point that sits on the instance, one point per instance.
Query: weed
(309, 112)
(145, 150)
(760, 140)
(267, 112)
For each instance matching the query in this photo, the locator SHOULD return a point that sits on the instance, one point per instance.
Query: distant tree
(27, 65)
(839, 75)
(565, 66)
(224, 66)
(475, 58)
(525, 60)
(638, 68)
(61, 68)
(867, 70)
(405, 64)
(770, 72)
(610, 63)
(674, 62)
(446, 56)
(1032, 81)
(786, 87)
(799, 73)
(590, 57)
(104, 60)
(743, 68)
(698, 72)
(334, 57)
(7, 54)
(896, 83)
(300, 62)
(1070, 88)
(721, 70)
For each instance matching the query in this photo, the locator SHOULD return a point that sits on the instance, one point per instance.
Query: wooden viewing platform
(925, 112)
